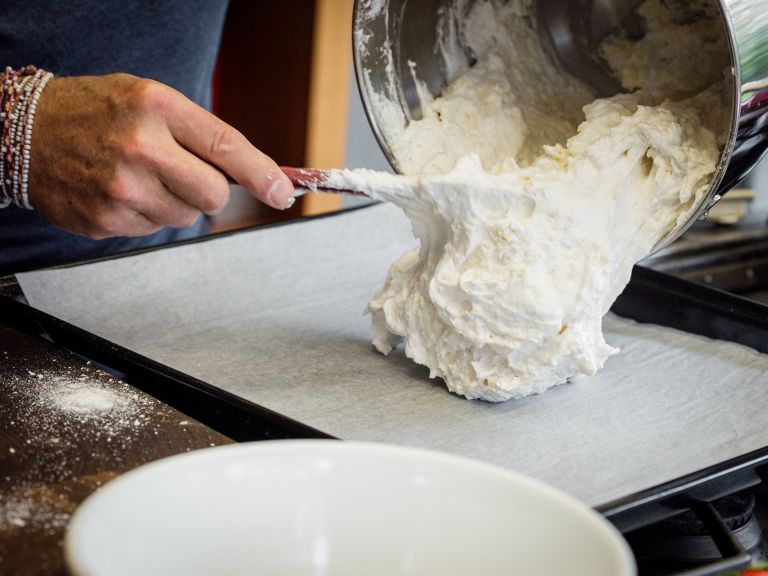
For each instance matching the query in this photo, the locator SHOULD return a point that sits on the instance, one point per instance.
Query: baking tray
(651, 297)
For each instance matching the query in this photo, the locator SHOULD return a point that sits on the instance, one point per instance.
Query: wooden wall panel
(262, 88)
(283, 80)
(329, 94)
(264, 74)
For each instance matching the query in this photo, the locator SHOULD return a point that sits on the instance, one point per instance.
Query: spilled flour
(532, 200)
(87, 401)
(69, 428)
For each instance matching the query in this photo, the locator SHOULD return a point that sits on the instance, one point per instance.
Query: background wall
(363, 150)
(282, 79)
(285, 79)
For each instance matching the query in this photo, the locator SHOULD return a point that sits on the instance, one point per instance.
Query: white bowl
(330, 508)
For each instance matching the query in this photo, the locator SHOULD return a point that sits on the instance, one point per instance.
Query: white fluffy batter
(531, 212)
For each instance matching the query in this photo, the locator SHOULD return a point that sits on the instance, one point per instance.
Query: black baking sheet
(275, 316)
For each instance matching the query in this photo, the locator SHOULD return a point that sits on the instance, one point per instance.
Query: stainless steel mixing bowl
(390, 36)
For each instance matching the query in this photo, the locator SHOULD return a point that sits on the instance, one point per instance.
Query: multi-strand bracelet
(21, 91)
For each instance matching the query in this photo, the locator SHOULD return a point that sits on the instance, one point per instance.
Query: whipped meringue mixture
(532, 200)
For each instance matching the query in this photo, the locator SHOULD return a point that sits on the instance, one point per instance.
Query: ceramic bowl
(331, 508)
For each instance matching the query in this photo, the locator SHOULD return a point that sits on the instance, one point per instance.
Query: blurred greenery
(754, 55)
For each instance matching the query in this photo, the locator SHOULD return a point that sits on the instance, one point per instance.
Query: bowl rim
(80, 524)
(718, 186)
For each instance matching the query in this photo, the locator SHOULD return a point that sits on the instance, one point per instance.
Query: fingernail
(280, 194)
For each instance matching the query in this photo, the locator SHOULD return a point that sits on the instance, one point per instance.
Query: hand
(119, 155)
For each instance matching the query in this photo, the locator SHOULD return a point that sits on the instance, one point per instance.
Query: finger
(110, 221)
(161, 206)
(215, 141)
(138, 224)
(194, 181)
(140, 190)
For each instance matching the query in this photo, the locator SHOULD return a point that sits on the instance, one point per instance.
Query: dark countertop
(67, 428)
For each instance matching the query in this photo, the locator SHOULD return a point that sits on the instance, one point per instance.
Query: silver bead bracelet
(20, 92)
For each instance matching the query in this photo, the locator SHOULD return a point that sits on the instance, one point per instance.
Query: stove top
(733, 259)
(683, 544)
(730, 258)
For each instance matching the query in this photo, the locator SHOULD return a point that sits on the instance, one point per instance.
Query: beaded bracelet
(20, 92)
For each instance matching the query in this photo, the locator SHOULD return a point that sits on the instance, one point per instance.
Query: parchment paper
(276, 316)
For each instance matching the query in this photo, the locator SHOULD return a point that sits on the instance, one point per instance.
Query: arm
(119, 155)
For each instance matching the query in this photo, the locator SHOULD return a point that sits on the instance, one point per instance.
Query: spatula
(314, 180)
(311, 180)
